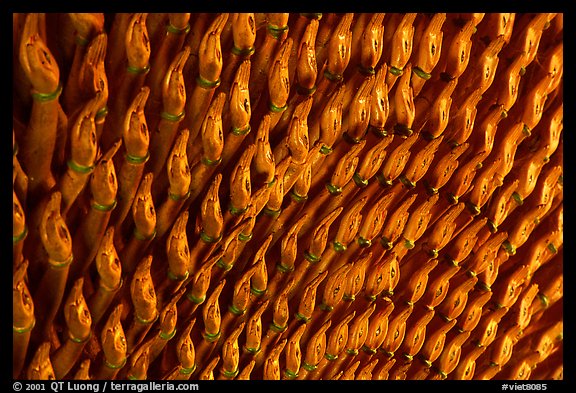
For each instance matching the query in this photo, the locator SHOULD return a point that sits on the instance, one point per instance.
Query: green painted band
(257, 292)
(386, 243)
(187, 371)
(366, 71)
(409, 244)
(26, 329)
(206, 84)
(544, 299)
(363, 242)
(359, 181)
(194, 299)
(368, 350)
(510, 249)
(385, 183)
(236, 311)
(81, 40)
(421, 73)
(349, 298)
(229, 374)
(396, 71)
(276, 328)
(168, 336)
(298, 198)
(492, 226)
(339, 247)
(325, 307)
(101, 114)
(115, 366)
(452, 199)
(290, 374)
(330, 356)
(106, 288)
(138, 71)
(174, 277)
(277, 109)
(333, 77)
(223, 265)
(208, 239)
(276, 31)
(80, 340)
(309, 367)
(243, 52)
(526, 130)
(236, 211)
(407, 182)
(433, 253)
(209, 162)
(42, 97)
(284, 269)
(333, 190)
(60, 264)
(170, 28)
(351, 140)
(403, 130)
(211, 337)
(517, 198)
(352, 351)
(311, 257)
(304, 91)
(326, 150)
(134, 160)
(245, 238)
(178, 198)
(103, 208)
(253, 351)
(78, 168)
(241, 131)
(20, 237)
(139, 236)
(271, 213)
(302, 318)
(143, 321)
(474, 210)
(552, 248)
(379, 132)
(173, 118)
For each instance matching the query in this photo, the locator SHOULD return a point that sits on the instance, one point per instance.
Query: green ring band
(432, 253)
(209, 162)
(290, 374)
(194, 299)
(428, 136)
(402, 130)
(421, 73)
(81, 40)
(271, 213)
(108, 289)
(253, 351)
(359, 181)
(173, 118)
(187, 371)
(333, 190)
(277, 109)
(42, 97)
(138, 71)
(114, 366)
(379, 132)
(26, 329)
(385, 183)
(230, 374)
(103, 208)
(80, 340)
(208, 239)
(276, 31)
(304, 91)
(368, 350)
(297, 198)
(508, 247)
(178, 198)
(326, 150)
(363, 242)
(132, 378)
(409, 244)
(311, 257)
(301, 317)
(386, 243)
(552, 248)
(474, 210)
(20, 237)
(352, 351)
(257, 292)
(309, 367)
(338, 247)
(170, 28)
(241, 131)
(544, 299)
(168, 336)
(60, 264)
(330, 357)
(492, 227)
(407, 182)
(78, 168)
(366, 71)
(140, 236)
(245, 238)
(349, 298)
(429, 189)
(395, 71)
(283, 269)
(143, 321)
(451, 198)
(278, 329)
(333, 77)
(326, 307)
(526, 130)
(243, 52)
(237, 212)
(223, 265)
(206, 84)
(517, 198)
(174, 277)
(211, 337)
(101, 114)
(483, 286)
(236, 311)
(137, 160)
(351, 140)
